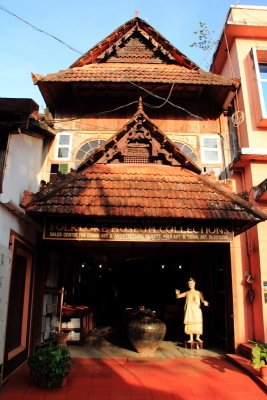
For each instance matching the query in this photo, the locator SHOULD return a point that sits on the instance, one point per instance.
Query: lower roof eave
(238, 226)
(245, 227)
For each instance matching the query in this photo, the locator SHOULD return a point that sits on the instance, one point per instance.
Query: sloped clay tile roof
(137, 53)
(127, 31)
(137, 72)
(134, 190)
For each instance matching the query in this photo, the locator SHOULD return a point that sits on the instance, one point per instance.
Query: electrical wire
(55, 120)
(172, 104)
(165, 101)
(3, 8)
(228, 53)
(129, 104)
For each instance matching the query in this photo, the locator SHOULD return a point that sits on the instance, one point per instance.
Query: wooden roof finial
(140, 105)
(136, 14)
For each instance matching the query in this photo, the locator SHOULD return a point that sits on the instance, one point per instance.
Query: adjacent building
(25, 140)
(242, 53)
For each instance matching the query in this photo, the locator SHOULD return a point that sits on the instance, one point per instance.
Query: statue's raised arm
(179, 295)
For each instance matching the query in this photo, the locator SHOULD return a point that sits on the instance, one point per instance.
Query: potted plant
(259, 358)
(50, 365)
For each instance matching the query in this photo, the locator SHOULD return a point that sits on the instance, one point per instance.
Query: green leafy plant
(205, 37)
(259, 355)
(50, 364)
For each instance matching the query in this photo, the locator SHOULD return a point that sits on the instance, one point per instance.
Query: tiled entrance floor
(106, 348)
(202, 378)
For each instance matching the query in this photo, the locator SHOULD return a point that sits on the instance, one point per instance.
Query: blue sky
(82, 24)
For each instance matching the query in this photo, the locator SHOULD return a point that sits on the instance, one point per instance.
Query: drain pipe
(223, 150)
(12, 206)
(20, 212)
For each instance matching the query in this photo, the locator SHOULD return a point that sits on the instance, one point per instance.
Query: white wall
(22, 172)
(5, 267)
(22, 167)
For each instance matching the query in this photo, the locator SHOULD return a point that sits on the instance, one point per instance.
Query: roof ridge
(130, 26)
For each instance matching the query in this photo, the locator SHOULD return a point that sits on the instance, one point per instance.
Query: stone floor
(105, 343)
(106, 367)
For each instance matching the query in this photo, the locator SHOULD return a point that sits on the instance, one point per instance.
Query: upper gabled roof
(135, 39)
(136, 72)
(135, 52)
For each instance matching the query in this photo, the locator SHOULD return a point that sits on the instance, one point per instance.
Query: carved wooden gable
(136, 48)
(140, 142)
(135, 42)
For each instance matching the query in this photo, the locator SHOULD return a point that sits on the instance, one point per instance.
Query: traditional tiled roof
(22, 116)
(125, 37)
(135, 52)
(128, 190)
(136, 72)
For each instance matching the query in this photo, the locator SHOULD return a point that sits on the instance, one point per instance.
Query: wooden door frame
(14, 358)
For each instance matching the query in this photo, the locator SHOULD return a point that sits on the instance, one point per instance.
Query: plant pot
(146, 333)
(46, 385)
(62, 338)
(263, 371)
(49, 365)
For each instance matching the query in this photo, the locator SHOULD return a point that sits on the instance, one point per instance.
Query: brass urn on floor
(146, 332)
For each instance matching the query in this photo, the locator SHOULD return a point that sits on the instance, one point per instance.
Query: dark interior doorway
(113, 276)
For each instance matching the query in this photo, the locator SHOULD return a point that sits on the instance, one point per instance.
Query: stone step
(244, 364)
(245, 350)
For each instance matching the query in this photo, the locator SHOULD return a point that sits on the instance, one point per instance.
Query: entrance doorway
(110, 277)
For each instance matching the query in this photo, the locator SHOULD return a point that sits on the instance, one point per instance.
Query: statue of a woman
(193, 315)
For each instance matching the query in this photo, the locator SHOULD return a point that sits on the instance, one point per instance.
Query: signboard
(131, 230)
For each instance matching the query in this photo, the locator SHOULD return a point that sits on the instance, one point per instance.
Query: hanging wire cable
(172, 104)
(165, 101)
(77, 118)
(228, 53)
(3, 8)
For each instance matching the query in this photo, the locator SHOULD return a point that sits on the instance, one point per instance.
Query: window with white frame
(210, 147)
(263, 82)
(63, 148)
(260, 65)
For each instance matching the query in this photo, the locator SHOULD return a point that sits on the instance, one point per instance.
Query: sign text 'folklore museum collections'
(120, 231)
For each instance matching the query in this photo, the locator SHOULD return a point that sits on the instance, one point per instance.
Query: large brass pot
(146, 333)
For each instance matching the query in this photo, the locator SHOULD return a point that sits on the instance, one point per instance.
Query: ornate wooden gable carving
(135, 41)
(140, 142)
(136, 48)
